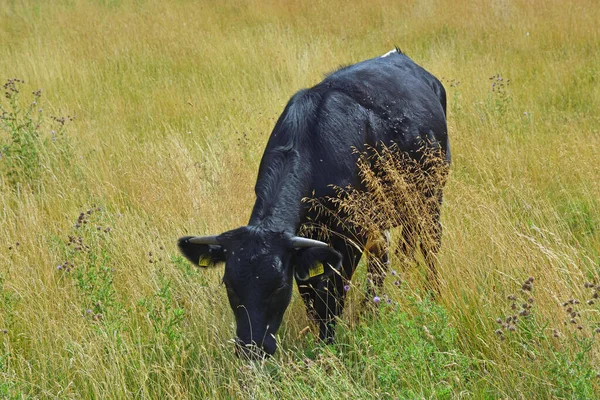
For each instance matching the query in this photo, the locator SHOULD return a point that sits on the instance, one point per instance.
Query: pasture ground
(173, 104)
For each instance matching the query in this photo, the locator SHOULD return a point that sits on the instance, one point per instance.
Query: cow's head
(259, 270)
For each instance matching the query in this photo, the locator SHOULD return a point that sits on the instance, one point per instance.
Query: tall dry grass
(174, 103)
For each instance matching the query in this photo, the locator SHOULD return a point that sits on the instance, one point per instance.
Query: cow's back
(385, 100)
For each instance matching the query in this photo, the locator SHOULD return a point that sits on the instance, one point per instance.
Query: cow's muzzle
(253, 351)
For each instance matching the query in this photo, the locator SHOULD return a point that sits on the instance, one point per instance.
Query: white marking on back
(389, 53)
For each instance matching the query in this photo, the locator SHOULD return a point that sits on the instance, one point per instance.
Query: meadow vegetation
(126, 124)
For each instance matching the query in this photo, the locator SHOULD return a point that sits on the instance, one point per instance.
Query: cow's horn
(203, 240)
(299, 242)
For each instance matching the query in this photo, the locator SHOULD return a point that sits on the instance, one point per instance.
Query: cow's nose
(252, 351)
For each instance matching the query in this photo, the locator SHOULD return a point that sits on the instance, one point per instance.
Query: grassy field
(173, 104)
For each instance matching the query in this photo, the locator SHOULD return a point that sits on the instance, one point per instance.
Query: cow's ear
(202, 255)
(316, 262)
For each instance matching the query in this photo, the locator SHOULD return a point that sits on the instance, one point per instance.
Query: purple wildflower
(376, 299)
(346, 288)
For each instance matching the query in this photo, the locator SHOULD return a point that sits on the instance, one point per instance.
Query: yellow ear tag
(204, 261)
(316, 269)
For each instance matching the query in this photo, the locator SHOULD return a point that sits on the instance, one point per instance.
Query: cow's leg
(378, 264)
(325, 298)
(408, 244)
(431, 242)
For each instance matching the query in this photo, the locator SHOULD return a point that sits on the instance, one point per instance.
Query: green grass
(173, 105)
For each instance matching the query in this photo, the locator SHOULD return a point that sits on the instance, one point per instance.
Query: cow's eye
(233, 297)
(278, 290)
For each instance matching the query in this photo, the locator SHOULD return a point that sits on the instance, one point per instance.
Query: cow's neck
(281, 185)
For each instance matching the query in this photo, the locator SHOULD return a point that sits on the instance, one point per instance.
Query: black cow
(387, 100)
